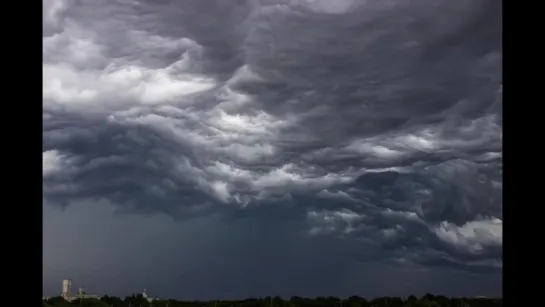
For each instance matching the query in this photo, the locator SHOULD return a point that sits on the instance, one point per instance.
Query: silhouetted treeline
(427, 300)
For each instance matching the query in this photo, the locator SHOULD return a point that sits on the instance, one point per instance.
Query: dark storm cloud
(368, 130)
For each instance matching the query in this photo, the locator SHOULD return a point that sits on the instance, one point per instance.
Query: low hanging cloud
(374, 123)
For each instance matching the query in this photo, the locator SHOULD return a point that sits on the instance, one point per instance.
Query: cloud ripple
(373, 122)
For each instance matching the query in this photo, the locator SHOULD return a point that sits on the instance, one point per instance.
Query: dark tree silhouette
(138, 300)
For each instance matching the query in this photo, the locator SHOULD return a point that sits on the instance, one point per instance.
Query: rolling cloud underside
(377, 122)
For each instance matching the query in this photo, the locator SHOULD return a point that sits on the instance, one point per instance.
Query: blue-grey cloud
(366, 132)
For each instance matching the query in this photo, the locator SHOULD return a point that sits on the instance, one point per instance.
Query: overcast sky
(235, 148)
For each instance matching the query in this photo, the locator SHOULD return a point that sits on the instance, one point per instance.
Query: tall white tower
(66, 288)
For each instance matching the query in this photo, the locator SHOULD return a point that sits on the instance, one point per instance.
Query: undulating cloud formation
(219, 148)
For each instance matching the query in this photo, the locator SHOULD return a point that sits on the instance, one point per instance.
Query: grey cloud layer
(207, 258)
(375, 123)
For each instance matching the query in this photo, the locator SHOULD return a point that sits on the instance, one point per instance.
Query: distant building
(66, 289)
(149, 299)
(82, 294)
(67, 292)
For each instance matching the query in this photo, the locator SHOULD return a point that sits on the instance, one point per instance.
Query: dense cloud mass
(304, 143)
